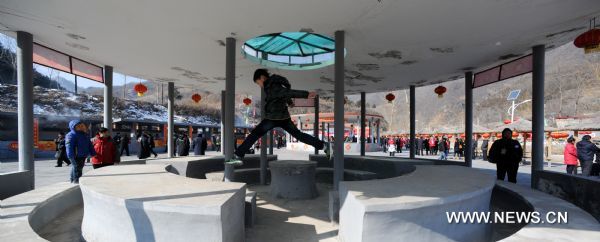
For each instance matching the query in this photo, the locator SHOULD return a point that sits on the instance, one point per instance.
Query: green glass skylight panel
(291, 50)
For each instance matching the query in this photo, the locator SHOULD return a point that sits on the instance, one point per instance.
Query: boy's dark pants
(286, 124)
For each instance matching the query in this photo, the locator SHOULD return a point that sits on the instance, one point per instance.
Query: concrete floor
(277, 219)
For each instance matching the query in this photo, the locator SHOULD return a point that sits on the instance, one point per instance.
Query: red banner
(36, 132)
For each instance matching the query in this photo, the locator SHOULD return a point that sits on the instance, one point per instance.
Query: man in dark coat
(183, 145)
(125, 144)
(144, 141)
(278, 97)
(507, 154)
(61, 150)
(199, 145)
(585, 153)
(484, 149)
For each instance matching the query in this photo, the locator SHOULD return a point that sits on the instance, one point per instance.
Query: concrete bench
(246, 175)
(147, 203)
(24, 215)
(580, 226)
(250, 207)
(325, 175)
(414, 205)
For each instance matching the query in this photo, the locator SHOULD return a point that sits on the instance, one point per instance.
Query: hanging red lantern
(390, 97)
(507, 121)
(196, 97)
(440, 90)
(463, 135)
(498, 135)
(485, 136)
(584, 132)
(140, 89)
(247, 101)
(589, 41)
(515, 134)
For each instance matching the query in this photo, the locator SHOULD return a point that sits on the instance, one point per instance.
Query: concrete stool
(250, 206)
(293, 179)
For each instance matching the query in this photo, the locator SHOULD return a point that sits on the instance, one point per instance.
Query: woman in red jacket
(570, 155)
(105, 150)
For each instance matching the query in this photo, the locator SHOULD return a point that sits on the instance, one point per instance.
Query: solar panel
(513, 95)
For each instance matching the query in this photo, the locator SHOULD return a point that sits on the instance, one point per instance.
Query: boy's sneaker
(235, 160)
(327, 150)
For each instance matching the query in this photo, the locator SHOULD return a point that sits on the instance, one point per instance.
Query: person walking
(484, 149)
(183, 145)
(199, 145)
(61, 150)
(456, 148)
(152, 144)
(105, 149)
(570, 156)
(442, 149)
(392, 147)
(144, 146)
(125, 145)
(78, 147)
(507, 154)
(117, 140)
(586, 150)
(278, 97)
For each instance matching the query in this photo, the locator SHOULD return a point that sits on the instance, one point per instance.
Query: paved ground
(47, 174)
(277, 219)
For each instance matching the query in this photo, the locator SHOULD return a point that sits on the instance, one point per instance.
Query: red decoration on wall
(390, 97)
(558, 135)
(140, 89)
(440, 90)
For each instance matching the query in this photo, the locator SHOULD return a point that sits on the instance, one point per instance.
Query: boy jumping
(278, 97)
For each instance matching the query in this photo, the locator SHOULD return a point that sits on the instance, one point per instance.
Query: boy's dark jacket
(278, 96)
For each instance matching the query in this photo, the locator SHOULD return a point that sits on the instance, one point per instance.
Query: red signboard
(511, 69)
(304, 102)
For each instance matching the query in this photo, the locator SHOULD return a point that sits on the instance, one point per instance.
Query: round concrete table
(293, 179)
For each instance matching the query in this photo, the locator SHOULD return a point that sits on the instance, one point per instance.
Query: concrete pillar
(370, 130)
(228, 129)
(25, 103)
(222, 120)
(338, 110)
(537, 113)
(316, 122)
(363, 116)
(263, 141)
(108, 98)
(323, 131)
(170, 122)
(377, 125)
(468, 119)
(413, 149)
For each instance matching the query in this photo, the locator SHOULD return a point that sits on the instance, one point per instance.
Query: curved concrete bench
(244, 175)
(198, 166)
(580, 226)
(147, 203)
(325, 175)
(414, 206)
(24, 215)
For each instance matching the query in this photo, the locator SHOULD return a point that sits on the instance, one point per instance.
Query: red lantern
(507, 121)
(515, 134)
(247, 101)
(589, 41)
(463, 135)
(584, 132)
(485, 136)
(390, 97)
(440, 90)
(449, 136)
(498, 135)
(140, 89)
(196, 97)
